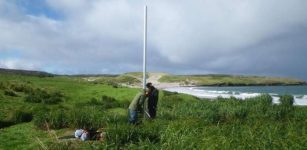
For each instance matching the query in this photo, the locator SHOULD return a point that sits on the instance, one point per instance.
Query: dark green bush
(2, 85)
(260, 105)
(58, 119)
(109, 82)
(124, 103)
(213, 116)
(121, 134)
(4, 124)
(51, 118)
(170, 101)
(233, 113)
(241, 112)
(18, 116)
(53, 98)
(87, 117)
(300, 114)
(20, 87)
(113, 84)
(41, 117)
(265, 100)
(37, 96)
(42, 96)
(286, 100)
(109, 102)
(9, 92)
(167, 115)
(278, 112)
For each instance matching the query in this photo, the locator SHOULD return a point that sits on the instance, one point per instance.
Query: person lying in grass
(90, 134)
(136, 106)
(82, 134)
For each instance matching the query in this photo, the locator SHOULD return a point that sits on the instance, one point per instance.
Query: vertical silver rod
(145, 47)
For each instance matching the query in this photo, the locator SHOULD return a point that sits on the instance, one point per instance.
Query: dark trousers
(152, 108)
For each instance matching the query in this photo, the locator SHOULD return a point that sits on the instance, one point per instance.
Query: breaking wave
(213, 94)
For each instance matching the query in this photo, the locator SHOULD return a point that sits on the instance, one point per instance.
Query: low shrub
(51, 118)
(87, 117)
(41, 117)
(4, 124)
(280, 112)
(241, 112)
(260, 105)
(108, 82)
(18, 116)
(121, 134)
(124, 103)
(213, 116)
(170, 101)
(233, 113)
(42, 96)
(20, 87)
(2, 85)
(286, 100)
(109, 102)
(113, 84)
(9, 92)
(300, 114)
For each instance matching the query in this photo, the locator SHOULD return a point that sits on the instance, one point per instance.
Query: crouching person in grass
(136, 106)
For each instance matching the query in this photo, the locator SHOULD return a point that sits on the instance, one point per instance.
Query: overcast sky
(250, 37)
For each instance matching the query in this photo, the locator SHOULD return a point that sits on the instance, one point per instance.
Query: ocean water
(242, 92)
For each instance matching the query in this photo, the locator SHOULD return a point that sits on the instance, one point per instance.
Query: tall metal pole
(145, 47)
(144, 59)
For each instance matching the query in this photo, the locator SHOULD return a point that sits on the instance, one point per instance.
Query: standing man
(153, 97)
(136, 106)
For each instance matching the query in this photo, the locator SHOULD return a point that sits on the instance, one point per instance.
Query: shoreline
(299, 99)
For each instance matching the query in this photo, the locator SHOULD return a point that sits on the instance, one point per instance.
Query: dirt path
(154, 79)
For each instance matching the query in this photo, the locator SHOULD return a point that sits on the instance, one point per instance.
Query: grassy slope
(183, 121)
(210, 80)
(76, 90)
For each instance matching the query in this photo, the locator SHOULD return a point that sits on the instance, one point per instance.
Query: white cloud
(102, 36)
(18, 64)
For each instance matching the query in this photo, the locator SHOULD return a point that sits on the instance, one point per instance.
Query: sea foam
(213, 94)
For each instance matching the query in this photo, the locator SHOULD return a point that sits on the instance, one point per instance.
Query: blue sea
(242, 92)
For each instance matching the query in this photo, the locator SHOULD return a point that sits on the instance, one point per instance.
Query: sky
(240, 37)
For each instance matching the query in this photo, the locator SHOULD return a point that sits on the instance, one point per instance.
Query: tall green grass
(183, 122)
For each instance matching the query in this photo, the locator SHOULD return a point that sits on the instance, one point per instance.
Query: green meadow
(35, 111)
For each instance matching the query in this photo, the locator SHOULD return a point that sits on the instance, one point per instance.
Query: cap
(149, 84)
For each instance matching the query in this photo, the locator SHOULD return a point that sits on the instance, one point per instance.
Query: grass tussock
(45, 97)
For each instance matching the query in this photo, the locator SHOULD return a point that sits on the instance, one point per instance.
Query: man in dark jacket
(153, 97)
